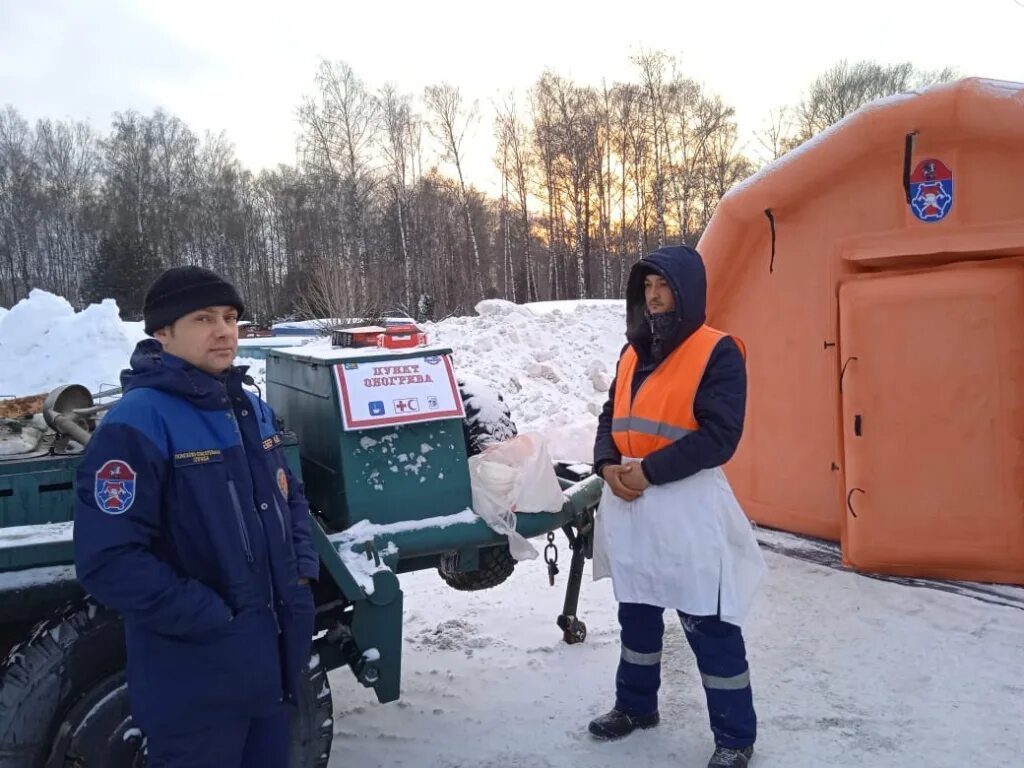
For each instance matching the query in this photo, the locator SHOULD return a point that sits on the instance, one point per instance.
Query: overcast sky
(243, 67)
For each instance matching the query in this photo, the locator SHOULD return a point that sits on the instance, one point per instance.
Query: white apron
(681, 545)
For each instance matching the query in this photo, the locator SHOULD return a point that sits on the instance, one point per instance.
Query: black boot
(727, 757)
(616, 724)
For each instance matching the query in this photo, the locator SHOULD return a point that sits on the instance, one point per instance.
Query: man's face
(658, 295)
(206, 338)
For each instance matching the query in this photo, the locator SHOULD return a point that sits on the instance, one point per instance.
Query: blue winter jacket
(189, 524)
(720, 403)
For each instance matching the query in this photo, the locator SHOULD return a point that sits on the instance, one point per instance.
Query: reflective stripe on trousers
(721, 659)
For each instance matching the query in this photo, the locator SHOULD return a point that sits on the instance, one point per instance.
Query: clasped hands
(627, 481)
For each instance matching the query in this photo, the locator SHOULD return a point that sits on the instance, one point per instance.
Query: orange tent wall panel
(843, 210)
(933, 422)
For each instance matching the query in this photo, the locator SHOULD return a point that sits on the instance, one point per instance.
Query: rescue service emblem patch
(115, 487)
(931, 190)
(282, 482)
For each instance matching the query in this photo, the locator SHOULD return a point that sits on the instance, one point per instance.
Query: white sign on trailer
(382, 393)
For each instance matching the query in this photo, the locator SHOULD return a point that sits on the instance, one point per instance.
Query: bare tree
(449, 125)
(581, 158)
(653, 70)
(340, 129)
(129, 162)
(846, 87)
(546, 139)
(626, 98)
(398, 127)
(776, 134)
(68, 167)
(18, 169)
(515, 138)
(503, 162)
(326, 295)
(359, 226)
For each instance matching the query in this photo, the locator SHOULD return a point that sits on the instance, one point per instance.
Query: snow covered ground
(848, 671)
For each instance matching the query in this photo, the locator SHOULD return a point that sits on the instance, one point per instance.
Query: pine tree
(124, 266)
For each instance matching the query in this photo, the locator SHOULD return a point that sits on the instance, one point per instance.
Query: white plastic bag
(514, 476)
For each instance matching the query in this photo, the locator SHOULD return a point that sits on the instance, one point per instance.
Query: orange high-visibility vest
(662, 411)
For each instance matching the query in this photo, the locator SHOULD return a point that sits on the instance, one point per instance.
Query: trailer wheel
(488, 421)
(313, 720)
(63, 690)
(488, 418)
(64, 699)
(496, 565)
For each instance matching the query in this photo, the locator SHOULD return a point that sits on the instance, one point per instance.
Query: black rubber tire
(496, 565)
(66, 660)
(313, 720)
(480, 432)
(64, 699)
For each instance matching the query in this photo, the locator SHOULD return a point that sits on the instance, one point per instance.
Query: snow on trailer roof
(322, 350)
(326, 323)
(272, 341)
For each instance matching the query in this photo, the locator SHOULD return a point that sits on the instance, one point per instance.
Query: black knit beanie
(180, 290)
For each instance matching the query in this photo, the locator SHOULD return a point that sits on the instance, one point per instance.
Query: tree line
(377, 215)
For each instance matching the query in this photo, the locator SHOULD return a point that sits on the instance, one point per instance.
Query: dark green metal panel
(290, 445)
(32, 593)
(330, 559)
(582, 497)
(36, 497)
(36, 490)
(384, 475)
(376, 624)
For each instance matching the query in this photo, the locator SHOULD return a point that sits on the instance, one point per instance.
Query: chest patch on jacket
(189, 458)
(282, 482)
(115, 487)
(271, 442)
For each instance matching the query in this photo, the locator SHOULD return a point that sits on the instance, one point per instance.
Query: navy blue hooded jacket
(720, 403)
(189, 524)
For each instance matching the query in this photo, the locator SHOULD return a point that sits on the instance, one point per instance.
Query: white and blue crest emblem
(115, 487)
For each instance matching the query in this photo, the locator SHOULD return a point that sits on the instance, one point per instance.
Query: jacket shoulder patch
(115, 490)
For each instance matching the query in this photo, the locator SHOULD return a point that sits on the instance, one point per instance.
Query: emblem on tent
(931, 190)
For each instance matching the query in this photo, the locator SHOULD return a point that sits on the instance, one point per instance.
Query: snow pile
(44, 343)
(553, 367)
(552, 361)
(544, 307)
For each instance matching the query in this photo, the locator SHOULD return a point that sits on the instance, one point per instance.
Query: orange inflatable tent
(876, 274)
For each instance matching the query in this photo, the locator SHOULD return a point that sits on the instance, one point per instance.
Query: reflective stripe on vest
(648, 427)
(662, 411)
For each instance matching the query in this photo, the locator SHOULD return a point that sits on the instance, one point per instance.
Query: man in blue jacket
(189, 524)
(665, 307)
